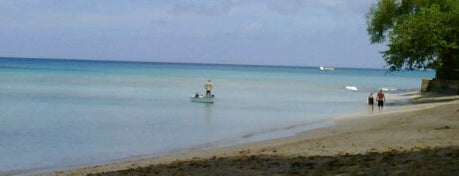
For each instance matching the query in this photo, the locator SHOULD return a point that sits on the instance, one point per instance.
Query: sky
(256, 32)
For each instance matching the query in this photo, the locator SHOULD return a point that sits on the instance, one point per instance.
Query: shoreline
(250, 138)
(402, 129)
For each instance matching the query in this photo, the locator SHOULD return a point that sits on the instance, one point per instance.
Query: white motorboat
(326, 68)
(202, 99)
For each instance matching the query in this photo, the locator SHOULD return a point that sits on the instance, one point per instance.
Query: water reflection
(208, 112)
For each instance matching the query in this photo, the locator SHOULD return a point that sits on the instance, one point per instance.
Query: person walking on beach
(208, 86)
(371, 101)
(381, 99)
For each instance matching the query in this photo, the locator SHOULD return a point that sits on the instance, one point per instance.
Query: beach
(421, 138)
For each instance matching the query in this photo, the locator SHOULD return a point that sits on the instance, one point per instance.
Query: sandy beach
(419, 139)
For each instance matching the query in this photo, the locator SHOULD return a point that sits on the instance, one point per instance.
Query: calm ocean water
(64, 113)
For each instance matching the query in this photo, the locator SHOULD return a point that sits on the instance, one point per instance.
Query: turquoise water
(64, 113)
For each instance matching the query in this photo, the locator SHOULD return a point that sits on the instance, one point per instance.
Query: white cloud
(286, 6)
(209, 8)
(254, 27)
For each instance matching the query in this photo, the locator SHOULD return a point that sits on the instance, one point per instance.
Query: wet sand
(419, 139)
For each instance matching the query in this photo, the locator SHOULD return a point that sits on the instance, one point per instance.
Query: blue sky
(261, 32)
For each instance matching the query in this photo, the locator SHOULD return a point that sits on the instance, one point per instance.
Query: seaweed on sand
(437, 161)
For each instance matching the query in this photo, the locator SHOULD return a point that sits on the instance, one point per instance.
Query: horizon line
(167, 62)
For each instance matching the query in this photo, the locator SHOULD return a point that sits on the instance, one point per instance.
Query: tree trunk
(449, 70)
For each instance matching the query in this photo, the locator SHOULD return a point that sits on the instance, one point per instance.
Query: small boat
(326, 68)
(203, 99)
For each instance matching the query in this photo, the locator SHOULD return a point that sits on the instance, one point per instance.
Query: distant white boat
(326, 68)
(202, 99)
(353, 88)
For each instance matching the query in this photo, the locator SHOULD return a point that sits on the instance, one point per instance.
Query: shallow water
(61, 113)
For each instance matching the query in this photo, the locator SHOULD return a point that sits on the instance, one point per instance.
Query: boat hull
(202, 99)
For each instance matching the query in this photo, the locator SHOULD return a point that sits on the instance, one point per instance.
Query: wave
(353, 88)
(389, 89)
(399, 91)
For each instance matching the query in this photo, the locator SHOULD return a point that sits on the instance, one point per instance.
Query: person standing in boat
(208, 86)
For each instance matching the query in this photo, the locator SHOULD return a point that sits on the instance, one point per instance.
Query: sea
(57, 113)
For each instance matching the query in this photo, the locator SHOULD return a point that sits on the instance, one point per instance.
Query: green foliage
(380, 19)
(420, 34)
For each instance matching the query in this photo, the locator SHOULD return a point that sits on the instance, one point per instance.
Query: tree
(420, 34)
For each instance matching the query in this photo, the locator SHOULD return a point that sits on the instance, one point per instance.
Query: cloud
(210, 8)
(286, 6)
(254, 27)
(342, 6)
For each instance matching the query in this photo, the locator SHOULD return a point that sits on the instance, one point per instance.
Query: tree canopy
(420, 34)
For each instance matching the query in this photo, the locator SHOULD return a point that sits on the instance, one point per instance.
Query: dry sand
(420, 139)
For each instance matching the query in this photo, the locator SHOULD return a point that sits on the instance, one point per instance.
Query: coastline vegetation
(420, 34)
